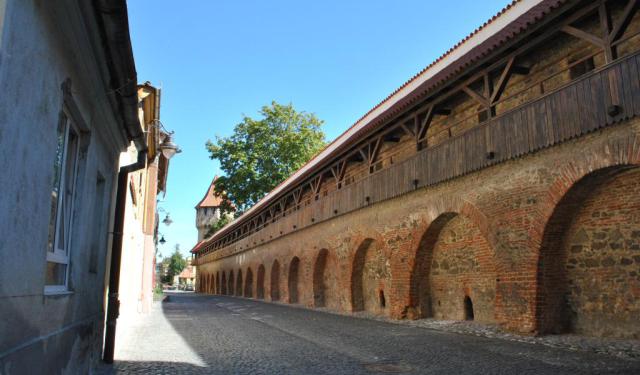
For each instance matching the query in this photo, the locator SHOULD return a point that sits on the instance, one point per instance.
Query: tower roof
(210, 198)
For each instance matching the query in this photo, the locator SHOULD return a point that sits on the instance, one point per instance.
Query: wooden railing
(598, 99)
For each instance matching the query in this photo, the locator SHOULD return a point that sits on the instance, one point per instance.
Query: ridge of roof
(511, 17)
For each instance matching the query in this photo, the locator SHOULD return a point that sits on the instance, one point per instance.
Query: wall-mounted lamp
(167, 220)
(162, 240)
(169, 148)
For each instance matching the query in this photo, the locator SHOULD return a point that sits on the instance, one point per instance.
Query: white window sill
(58, 292)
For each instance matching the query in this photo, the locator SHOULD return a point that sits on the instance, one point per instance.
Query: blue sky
(217, 60)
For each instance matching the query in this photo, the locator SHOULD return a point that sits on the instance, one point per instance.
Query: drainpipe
(113, 303)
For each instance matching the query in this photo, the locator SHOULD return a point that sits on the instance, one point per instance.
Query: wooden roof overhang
(411, 107)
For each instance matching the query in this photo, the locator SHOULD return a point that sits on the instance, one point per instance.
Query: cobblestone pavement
(198, 334)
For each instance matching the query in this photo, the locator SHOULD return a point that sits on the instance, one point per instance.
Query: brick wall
(505, 237)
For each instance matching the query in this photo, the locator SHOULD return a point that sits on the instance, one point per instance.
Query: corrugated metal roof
(513, 19)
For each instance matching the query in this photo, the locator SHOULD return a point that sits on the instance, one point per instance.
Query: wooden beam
(474, 95)
(620, 26)
(502, 81)
(408, 130)
(365, 156)
(583, 35)
(609, 54)
(391, 139)
(315, 183)
(487, 87)
(374, 149)
(424, 125)
(297, 195)
(338, 171)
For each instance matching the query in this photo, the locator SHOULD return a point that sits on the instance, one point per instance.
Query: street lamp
(162, 240)
(169, 148)
(167, 220)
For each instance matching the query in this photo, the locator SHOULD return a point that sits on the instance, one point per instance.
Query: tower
(208, 210)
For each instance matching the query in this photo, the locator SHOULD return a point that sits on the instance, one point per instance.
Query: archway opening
(293, 280)
(248, 284)
(218, 291)
(231, 287)
(319, 283)
(420, 296)
(587, 271)
(260, 283)
(468, 308)
(239, 284)
(370, 273)
(381, 299)
(223, 284)
(275, 281)
(211, 284)
(454, 260)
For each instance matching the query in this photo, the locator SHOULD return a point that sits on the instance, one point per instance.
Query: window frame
(62, 255)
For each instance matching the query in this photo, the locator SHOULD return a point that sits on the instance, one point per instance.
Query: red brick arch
(218, 288)
(478, 281)
(319, 285)
(293, 280)
(357, 297)
(572, 184)
(274, 283)
(373, 294)
(407, 265)
(223, 283)
(578, 247)
(248, 283)
(260, 282)
(239, 280)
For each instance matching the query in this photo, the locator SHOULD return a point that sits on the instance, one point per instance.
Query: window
(65, 167)
(581, 68)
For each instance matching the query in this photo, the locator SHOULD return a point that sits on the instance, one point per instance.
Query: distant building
(187, 276)
(208, 211)
(141, 217)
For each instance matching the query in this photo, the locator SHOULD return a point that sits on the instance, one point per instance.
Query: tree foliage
(264, 152)
(176, 263)
(224, 220)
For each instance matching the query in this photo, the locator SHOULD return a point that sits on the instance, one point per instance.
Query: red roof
(509, 22)
(210, 198)
(198, 246)
(187, 273)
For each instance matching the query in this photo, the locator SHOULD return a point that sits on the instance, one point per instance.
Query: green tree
(224, 220)
(176, 264)
(262, 153)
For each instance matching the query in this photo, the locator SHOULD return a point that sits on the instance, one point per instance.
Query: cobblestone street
(199, 334)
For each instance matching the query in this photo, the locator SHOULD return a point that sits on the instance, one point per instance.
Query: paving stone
(198, 334)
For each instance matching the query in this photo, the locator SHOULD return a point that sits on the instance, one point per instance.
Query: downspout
(113, 307)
